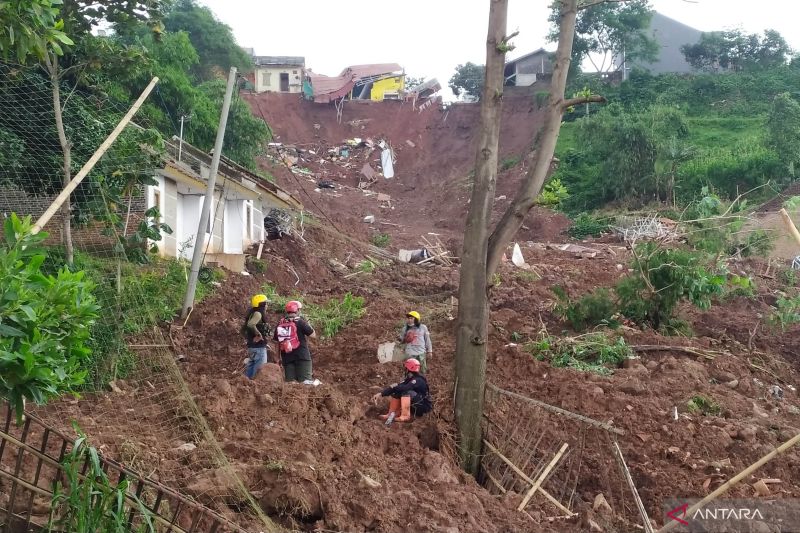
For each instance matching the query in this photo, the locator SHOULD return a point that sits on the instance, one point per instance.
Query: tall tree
(467, 80)
(547, 137)
(609, 34)
(213, 40)
(473, 308)
(783, 131)
(735, 50)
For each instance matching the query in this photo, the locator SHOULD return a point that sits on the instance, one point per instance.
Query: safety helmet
(258, 299)
(293, 307)
(412, 365)
(414, 314)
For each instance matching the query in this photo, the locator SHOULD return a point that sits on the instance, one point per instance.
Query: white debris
(369, 219)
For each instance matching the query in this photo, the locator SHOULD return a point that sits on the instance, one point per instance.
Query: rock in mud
(747, 434)
(723, 376)
(220, 483)
(437, 470)
(223, 387)
(601, 505)
(270, 373)
(367, 482)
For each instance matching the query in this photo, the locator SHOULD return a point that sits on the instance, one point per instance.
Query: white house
(241, 201)
(278, 73)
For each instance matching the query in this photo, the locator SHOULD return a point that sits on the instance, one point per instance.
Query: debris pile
(431, 252)
(649, 227)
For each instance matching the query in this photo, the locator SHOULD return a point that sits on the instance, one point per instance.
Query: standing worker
(409, 398)
(292, 333)
(256, 331)
(417, 340)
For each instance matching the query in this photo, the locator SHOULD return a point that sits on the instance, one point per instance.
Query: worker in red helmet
(409, 398)
(292, 334)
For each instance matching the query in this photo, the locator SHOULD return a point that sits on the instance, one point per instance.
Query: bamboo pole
(648, 527)
(556, 410)
(89, 165)
(787, 220)
(527, 479)
(546, 472)
(725, 487)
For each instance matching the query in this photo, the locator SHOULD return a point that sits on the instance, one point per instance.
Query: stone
(732, 384)
(186, 447)
(633, 388)
(212, 485)
(792, 410)
(270, 373)
(747, 434)
(223, 387)
(594, 526)
(761, 488)
(723, 376)
(367, 482)
(114, 387)
(651, 365)
(632, 362)
(597, 391)
(601, 505)
(264, 400)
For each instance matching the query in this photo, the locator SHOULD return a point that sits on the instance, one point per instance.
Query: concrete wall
(268, 78)
(670, 36)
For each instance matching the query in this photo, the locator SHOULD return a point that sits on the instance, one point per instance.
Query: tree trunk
(66, 148)
(548, 137)
(473, 308)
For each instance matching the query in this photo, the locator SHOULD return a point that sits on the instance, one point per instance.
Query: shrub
(787, 312)
(741, 286)
(662, 277)
(510, 162)
(553, 193)
(593, 309)
(586, 225)
(254, 264)
(381, 240)
(366, 266)
(45, 321)
(336, 314)
(590, 353)
(703, 405)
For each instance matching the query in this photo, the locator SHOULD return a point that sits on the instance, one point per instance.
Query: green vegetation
(45, 321)
(510, 162)
(327, 319)
(787, 312)
(594, 309)
(587, 353)
(586, 225)
(381, 240)
(703, 405)
(553, 193)
(87, 500)
(366, 266)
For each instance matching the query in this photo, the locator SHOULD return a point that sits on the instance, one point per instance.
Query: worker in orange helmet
(409, 398)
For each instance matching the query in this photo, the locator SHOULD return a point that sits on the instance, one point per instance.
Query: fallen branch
(595, 98)
(546, 472)
(708, 354)
(648, 527)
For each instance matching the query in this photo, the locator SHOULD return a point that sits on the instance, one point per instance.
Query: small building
(241, 202)
(278, 73)
(526, 70)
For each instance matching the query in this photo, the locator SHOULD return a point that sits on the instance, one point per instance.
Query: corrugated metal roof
(295, 61)
(329, 88)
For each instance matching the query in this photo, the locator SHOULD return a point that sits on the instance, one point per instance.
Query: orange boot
(394, 407)
(405, 405)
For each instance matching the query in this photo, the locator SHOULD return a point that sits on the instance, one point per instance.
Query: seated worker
(411, 397)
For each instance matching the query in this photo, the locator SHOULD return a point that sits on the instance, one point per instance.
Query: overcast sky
(430, 37)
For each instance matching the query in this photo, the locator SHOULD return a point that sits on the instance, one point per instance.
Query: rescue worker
(409, 398)
(292, 334)
(416, 340)
(256, 331)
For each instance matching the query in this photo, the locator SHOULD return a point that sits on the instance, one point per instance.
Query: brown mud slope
(435, 151)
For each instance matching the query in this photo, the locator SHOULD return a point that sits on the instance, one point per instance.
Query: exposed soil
(305, 452)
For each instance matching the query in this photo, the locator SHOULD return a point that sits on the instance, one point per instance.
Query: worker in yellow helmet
(256, 330)
(416, 340)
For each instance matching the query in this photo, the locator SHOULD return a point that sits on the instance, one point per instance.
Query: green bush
(589, 353)
(381, 240)
(45, 321)
(586, 225)
(510, 162)
(662, 277)
(703, 405)
(594, 309)
(553, 193)
(787, 312)
(331, 317)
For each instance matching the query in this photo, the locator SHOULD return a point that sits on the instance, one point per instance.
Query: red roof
(329, 88)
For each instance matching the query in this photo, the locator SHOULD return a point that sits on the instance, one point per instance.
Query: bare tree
(473, 308)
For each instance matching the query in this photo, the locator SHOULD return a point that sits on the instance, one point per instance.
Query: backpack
(287, 335)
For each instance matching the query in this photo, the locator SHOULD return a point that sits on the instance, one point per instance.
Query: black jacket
(262, 328)
(414, 383)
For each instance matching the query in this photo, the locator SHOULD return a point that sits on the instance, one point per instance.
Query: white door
(233, 222)
(189, 208)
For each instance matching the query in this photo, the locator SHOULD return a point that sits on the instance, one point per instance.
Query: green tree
(468, 80)
(44, 321)
(783, 130)
(31, 28)
(213, 40)
(735, 50)
(617, 32)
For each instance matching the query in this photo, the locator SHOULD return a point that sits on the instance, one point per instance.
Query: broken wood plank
(648, 527)
(546, 472)
(260, 249)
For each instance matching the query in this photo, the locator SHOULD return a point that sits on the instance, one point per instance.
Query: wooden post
(64, 195)
(542, 477)
(787, 220)
(735, 480)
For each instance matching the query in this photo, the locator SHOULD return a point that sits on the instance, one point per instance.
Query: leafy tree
(212, 40)
(735, 50)
(614, 30)
(783, 130)
(31, 28)
(44, 321)
(468, 80)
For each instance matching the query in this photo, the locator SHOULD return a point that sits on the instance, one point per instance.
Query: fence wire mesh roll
(106, 230)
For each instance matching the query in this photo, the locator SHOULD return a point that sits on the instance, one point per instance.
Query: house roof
(229, 170)
(329, 88)
(526, 56)
(294, 61)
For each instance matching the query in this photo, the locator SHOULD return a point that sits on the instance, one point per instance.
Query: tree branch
(595, 98)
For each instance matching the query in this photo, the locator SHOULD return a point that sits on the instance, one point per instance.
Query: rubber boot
(394, 407)
(405, 409)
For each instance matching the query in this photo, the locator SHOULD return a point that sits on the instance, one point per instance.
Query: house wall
(268, 78)
(670, 36)
(391, 85)
(536, 64)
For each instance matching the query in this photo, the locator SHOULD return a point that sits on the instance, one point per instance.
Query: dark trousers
(299, 371)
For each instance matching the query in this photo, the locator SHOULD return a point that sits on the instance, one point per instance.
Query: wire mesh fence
(106, 230)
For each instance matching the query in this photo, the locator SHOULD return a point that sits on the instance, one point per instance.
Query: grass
(594, 352)
(381, 240)
(704, 405)
(366, 266)
(327, 319)
(710, 131)
(510, 162)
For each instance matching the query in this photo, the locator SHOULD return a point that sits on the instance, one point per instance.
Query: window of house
(265, 78)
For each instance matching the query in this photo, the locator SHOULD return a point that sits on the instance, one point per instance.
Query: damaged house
(376, 82)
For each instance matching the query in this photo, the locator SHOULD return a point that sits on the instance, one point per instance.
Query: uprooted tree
(482, 252)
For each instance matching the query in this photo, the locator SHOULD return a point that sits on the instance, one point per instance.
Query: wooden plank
(546, 472)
